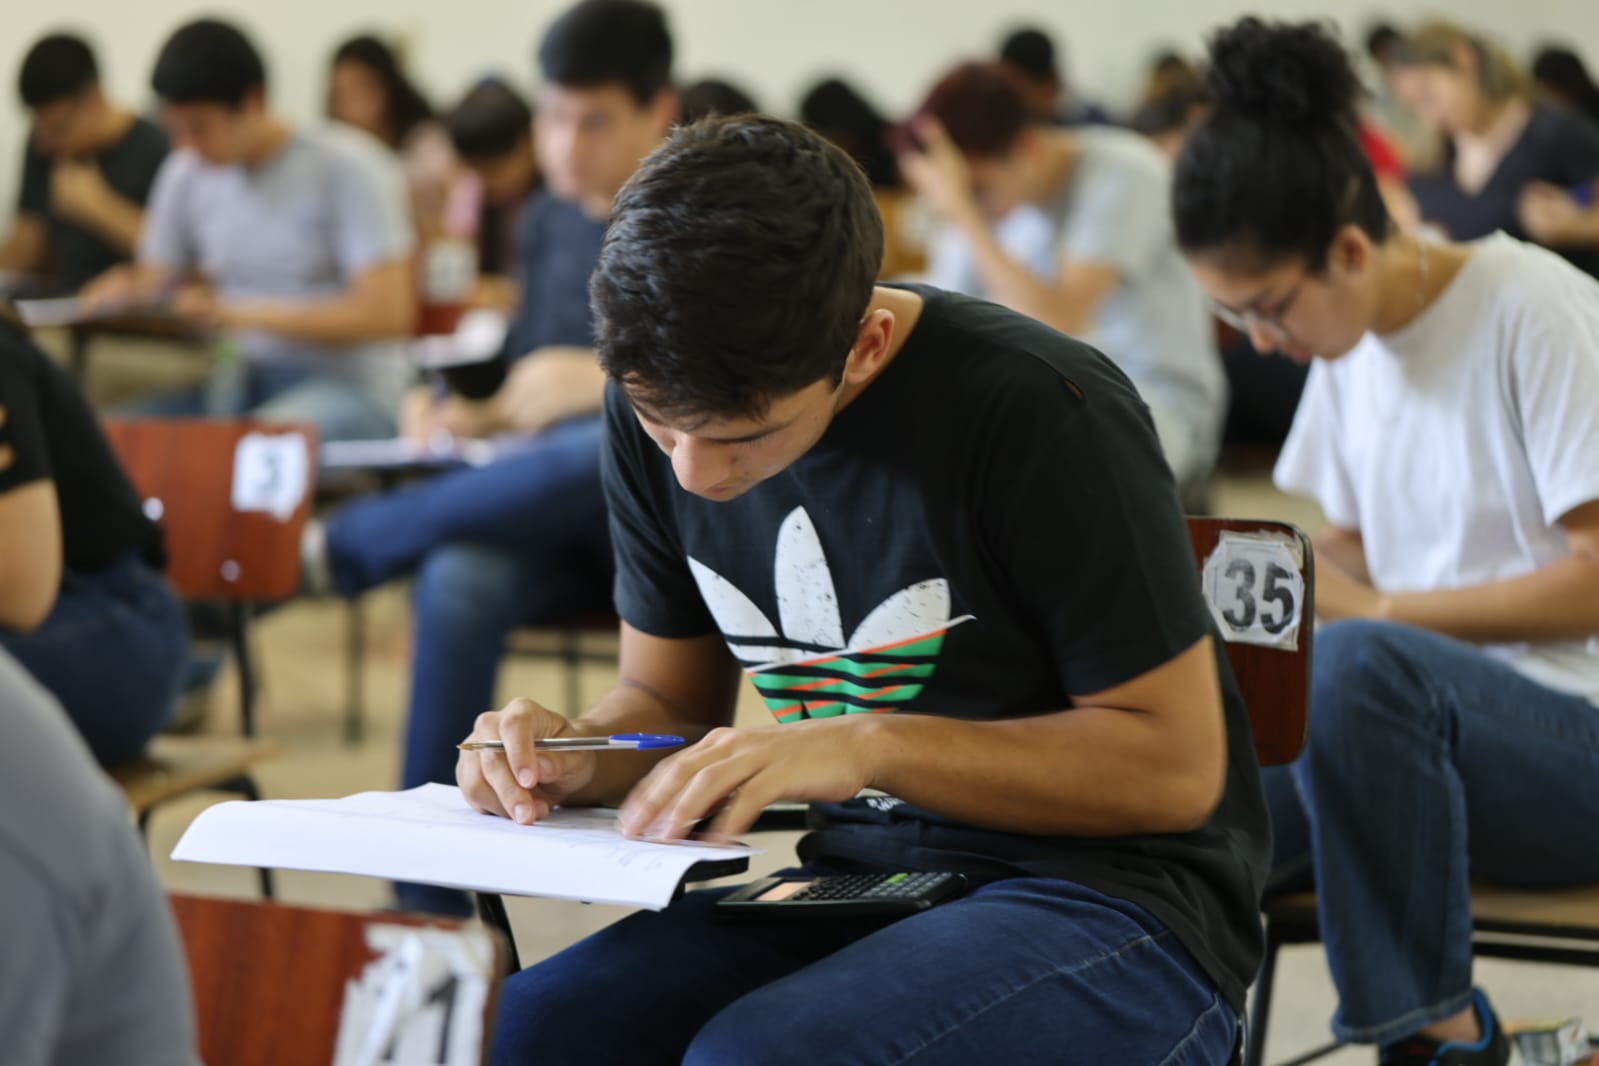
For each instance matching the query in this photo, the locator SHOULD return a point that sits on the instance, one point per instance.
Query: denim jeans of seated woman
(1022, 970)
(112, 651)
(520, 541)
(1429, 763)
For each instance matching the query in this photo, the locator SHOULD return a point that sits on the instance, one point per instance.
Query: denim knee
(461, 584)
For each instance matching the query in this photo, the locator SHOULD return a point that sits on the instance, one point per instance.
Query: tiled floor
(301, 652)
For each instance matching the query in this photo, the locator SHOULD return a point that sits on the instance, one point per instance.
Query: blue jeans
(340, 408)
(1019, 970)
(1428, 763)
(520, 541)
(112, 651)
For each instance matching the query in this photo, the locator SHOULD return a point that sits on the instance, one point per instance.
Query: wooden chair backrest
(183, 469)
(1274, 682)
(269, 979)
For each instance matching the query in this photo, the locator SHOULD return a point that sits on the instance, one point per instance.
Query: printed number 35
(1277, 588)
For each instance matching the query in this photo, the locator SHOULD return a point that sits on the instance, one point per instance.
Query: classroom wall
(776, 48)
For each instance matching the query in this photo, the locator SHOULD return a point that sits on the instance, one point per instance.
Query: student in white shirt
(1450, 431)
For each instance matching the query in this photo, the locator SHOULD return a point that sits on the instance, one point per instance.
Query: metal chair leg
(572, 655)
(1260, 1012)
(245, 786)
(491, 908)
(355, 670)
(241, 650)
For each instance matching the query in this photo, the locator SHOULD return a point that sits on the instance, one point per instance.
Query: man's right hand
(519, 783)
(117, 287)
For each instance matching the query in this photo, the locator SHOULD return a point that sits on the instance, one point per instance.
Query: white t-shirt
(1456, 444)
(1115, 209)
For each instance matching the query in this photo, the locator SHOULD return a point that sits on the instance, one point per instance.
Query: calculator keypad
(868, 886)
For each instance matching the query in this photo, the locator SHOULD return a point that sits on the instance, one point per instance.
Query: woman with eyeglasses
(1450, 432)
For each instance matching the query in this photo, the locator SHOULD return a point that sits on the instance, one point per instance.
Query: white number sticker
(270, 473)
(420, 1003)
(1253, 585)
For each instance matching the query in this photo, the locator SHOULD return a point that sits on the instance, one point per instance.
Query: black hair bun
(1282, 74)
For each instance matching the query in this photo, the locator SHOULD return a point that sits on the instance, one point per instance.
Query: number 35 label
(1253, 585)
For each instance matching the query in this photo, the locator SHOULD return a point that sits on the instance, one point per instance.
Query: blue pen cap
(646, 741)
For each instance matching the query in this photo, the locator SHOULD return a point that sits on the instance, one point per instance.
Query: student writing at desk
(295, 242)
(887, 500)
(86, 173)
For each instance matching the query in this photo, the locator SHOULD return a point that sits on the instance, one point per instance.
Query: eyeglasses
(1247, 321)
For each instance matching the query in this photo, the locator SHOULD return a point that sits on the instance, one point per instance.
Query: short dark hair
(598, 42)
(405, 106)
(490, 121)
(208, 62)
(980, 107)
(1276, 168)
(712, 96)
(1031, 51)
(1381, 39)
(837, 110)
(56, 67)
(739, 261)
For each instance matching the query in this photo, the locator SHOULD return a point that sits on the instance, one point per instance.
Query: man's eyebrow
(765, 431)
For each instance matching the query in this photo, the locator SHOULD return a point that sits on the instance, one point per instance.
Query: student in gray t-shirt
(91, 973)
(1072, 227)
(294, 243)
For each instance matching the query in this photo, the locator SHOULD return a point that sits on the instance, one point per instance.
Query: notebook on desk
(430, 836)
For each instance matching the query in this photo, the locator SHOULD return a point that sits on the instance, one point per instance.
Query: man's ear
(871, 346)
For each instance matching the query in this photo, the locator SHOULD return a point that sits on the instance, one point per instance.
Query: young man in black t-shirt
(86, 173)
(879, 500)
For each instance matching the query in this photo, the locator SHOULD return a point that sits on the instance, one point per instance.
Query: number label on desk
(270, 473)
(1253, 585)
(421, 1002)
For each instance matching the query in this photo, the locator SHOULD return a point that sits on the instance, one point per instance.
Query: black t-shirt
(129, 166)
(53, 436)
(988, 528)
(1557, 146)
(559, 247)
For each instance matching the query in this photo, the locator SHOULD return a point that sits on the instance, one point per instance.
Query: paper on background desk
(429, 835)
(71, 311)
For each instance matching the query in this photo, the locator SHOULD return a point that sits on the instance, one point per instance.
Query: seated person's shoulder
(353, 151)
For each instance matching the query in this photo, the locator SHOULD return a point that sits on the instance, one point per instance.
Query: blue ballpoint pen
(619, 742)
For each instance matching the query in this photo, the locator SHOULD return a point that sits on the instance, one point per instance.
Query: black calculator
(842, 896)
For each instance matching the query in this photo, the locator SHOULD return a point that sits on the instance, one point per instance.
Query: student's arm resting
(1068, 303)
(1559, 601)
(80, 192)
(548, 386)
(1148, 756)
(30, 565)
(378, 304)
(681, 687)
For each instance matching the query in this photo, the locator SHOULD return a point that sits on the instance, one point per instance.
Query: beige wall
(774, 47)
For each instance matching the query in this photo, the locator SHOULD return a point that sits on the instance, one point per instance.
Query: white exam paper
(429, 835)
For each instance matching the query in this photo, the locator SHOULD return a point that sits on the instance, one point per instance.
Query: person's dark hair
(712, 96)
(980, 108)
(1381, 40)
(838, 112)
(1172, 109)
(56, 67)
(1562, 71)
(739, 261)
(404, 103)
(1276, 168)
(208, 62)
(490, 121)
(598, 42)
(1031, 52)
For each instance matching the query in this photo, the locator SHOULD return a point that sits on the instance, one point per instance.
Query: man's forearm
(1090, 771)
(118, 220)
(1011, 283)
(337, 320)
(1559, 601)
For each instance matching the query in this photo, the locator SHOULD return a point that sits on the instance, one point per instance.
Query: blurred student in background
(492, 131)
(1033, 62)
(83, 604)
(295, 244)
(1503, 149)
(1448, 433)
(836, 109)
(1561, 78)
(1071, 227)
(368, 89)
(522, 540)
(712, 96)
(86, 171)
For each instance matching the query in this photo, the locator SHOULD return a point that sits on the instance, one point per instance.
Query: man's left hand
(735, 773)
(938, 173)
